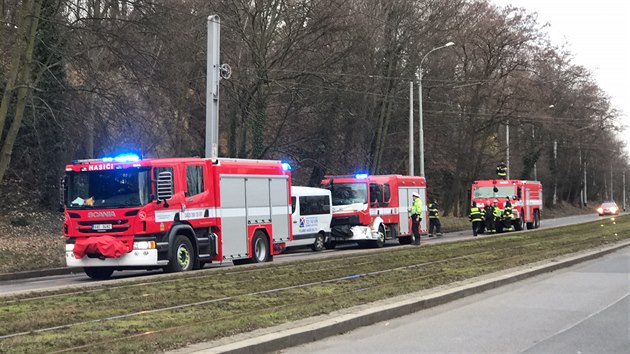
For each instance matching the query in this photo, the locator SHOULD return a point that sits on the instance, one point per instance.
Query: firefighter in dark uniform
(502, 170)
(507, 216)
(434, 219)
(476, 217)
(489, 215)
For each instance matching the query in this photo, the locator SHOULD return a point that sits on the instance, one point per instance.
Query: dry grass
(31, 240)
(234, 300)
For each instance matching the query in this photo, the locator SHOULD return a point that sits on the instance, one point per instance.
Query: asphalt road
(581, 309)
(80, 279)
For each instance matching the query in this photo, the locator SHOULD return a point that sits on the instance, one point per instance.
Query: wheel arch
(186, 230)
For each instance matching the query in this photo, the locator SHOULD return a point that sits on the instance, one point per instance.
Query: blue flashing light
(286, 166)
(122, 158)
(361, 176)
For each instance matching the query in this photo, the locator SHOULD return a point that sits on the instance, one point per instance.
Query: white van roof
(300, 191)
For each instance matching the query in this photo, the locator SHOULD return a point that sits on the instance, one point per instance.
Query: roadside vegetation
(166, 313)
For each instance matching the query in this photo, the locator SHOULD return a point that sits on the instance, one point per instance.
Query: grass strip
(223, 302)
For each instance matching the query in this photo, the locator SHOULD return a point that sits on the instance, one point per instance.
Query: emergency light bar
(286, 166)
(361, 176)
(122, 158)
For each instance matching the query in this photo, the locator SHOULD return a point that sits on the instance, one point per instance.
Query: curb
(39, 273)
(335, 323)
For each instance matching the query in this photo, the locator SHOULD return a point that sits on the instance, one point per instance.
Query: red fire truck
(525, 196)
(174, 213)
(373, 209)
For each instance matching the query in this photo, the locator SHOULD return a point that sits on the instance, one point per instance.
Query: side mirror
(63, 191)
(164, 186)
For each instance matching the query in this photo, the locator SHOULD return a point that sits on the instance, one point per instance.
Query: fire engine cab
(173, 213)
(525, 196)
(372, 209)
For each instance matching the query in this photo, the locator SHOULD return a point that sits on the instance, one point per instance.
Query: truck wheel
(518, 224)
(260, 248)
(99, 273)
(318, 245)
(530, 225)
(380, 241)
(182, 256)
(330, 245)
(405, 240)
(536, 219)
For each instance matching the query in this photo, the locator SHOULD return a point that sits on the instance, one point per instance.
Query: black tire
(330, 245)
(380, 241)
(518, 223)
(260, 248)
(405, 240)
(320, 240)
(536, 219)
(99, 273)
(530, 225)
(393, 231)
(182, 255)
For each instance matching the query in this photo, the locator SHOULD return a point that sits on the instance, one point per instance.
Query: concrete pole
(624, 190)
(507, 149)
(421, 138)
(535, 169)
(555, 172)
(411, 173)
(212, 87)
(612, 198)
(585, 190)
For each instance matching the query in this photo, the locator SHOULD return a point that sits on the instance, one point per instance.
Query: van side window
(314, 205)
(292, 205)
(194, 180)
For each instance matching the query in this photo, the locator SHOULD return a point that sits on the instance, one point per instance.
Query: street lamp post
(421, 137)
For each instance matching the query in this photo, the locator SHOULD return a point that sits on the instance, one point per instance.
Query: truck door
(404, 197)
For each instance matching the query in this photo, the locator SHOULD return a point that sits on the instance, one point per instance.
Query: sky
(596, 32)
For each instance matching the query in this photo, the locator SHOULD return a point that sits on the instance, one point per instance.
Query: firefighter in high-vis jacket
(476, 217)
(416, 217)
(434, 219)
(496, 213)
(507, 216)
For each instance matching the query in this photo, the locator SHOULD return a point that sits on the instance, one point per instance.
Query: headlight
(613, 209)
(144, 245)
(600, 210)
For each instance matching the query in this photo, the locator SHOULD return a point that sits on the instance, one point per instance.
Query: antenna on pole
(215, 72)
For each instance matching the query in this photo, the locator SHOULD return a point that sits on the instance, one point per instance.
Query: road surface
(581, 309)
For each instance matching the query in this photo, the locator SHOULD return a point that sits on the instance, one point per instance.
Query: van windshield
(348, 193)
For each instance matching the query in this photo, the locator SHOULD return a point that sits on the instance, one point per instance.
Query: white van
(311, 213)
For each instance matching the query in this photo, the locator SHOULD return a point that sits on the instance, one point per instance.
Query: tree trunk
(24, 86)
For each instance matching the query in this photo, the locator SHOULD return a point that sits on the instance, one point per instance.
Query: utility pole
(214, 72)
(411, 128)
(585, 190)
(421, 138)
(534, 142)
(212, 87)
(624, 190)
(555, 172)
(507, 144)
(612, 198)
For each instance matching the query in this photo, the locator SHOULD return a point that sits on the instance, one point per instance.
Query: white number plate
(102, 227)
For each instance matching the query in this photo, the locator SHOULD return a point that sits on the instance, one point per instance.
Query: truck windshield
(488, 192)
(108, 189)
(348, 193)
